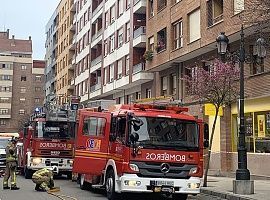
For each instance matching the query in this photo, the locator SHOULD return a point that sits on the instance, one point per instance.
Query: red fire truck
(48, 140)
(140, 149)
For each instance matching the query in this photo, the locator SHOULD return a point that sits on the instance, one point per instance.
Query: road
(69, 188)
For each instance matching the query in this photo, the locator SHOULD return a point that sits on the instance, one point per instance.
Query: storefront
(257, 127)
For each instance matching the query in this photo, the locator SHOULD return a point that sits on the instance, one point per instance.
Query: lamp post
(242, 184)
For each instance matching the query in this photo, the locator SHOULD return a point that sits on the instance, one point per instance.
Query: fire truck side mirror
(206, 136)
(134, 137)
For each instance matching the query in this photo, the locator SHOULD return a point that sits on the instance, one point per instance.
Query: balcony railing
(138, 68)
(96, 35)
(96, 60)
(97, 9)
(139, 31)
(95, 87)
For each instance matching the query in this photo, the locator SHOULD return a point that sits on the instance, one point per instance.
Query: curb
(224, 195)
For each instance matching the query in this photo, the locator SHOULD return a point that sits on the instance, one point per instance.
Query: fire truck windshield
(167, 133)
(3, 143)
(55, 130)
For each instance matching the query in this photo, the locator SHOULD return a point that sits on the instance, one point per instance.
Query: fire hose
(60, 196)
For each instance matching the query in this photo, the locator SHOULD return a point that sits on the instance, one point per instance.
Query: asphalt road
(69, 188)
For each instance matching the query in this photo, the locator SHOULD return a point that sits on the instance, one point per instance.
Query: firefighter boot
(6, 187)
(37, 188)
(14, 188)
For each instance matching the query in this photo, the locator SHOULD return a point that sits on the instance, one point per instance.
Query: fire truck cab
(140, 149)
(48, 140)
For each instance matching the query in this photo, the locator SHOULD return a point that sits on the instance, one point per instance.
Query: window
(38, 78)
(161, 40)
(21, 111)
(129, 99)
(3, 111)
(177, 35)
(120, 7)
(111, 43)
(94, 126)
(4, 100)
(5, 89)
(194, 26)
(37, 100)
(127, 64)
(107, 19)
(22, 100)
(148, 93)
(121, 100)
(6, 77)
(127, 31)
(112, 14)
(138, 95)
(164, 84)
(37, 89)
(106, 75)
(119, 68)
(151, 42)
(257, 64)
(161, 4)
(111, 72)
(174, 84)
(215, 11)
(23, 89)
(127, 4)
(151, 8)
(238, 6)
(23, 67)
(2, 122)
(105, 47)
(120, 37)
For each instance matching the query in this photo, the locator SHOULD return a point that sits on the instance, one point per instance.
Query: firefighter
(11, 165)
(43, 179)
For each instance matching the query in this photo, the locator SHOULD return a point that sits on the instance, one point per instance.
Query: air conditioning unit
(119, 76)
(111, 79)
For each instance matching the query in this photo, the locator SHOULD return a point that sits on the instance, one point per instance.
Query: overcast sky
(27, 18)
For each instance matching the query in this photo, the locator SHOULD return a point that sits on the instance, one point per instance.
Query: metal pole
(242, 173)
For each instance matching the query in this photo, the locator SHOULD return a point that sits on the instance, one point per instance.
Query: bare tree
(217, 86)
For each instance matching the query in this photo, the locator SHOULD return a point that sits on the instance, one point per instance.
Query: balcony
(96, 64)
(139, 6)
(71, 84)
(95, 87)
(97, 12)
(139, 75)
(139, 37)
(97, 38)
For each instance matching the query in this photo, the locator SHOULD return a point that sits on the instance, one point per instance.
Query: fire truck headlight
(193, 185)
(193, 170)
(134, 167)
(132, 183)
(36, 161)
(70, 162)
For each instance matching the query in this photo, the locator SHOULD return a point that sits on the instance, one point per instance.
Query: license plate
(162, 183)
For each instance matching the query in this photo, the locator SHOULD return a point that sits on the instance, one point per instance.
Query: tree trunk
(209, 150)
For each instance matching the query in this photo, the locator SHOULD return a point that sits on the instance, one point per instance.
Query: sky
(27, 18)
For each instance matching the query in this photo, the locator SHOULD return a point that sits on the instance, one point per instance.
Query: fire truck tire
(179, 196)
(28, 173)
(83, 184)
(110, 186)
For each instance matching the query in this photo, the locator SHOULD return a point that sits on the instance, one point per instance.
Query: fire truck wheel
(28, 173)
(83, 184)
(179, 196)
(110, 186)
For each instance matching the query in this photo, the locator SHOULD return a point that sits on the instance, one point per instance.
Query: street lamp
(242, 184)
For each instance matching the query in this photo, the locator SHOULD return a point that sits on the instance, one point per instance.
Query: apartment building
(181, 36)
(110, 43)
(65, 31)
(21, 82)
(51, 55)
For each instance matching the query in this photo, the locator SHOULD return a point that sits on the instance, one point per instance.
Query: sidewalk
(223, 187)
